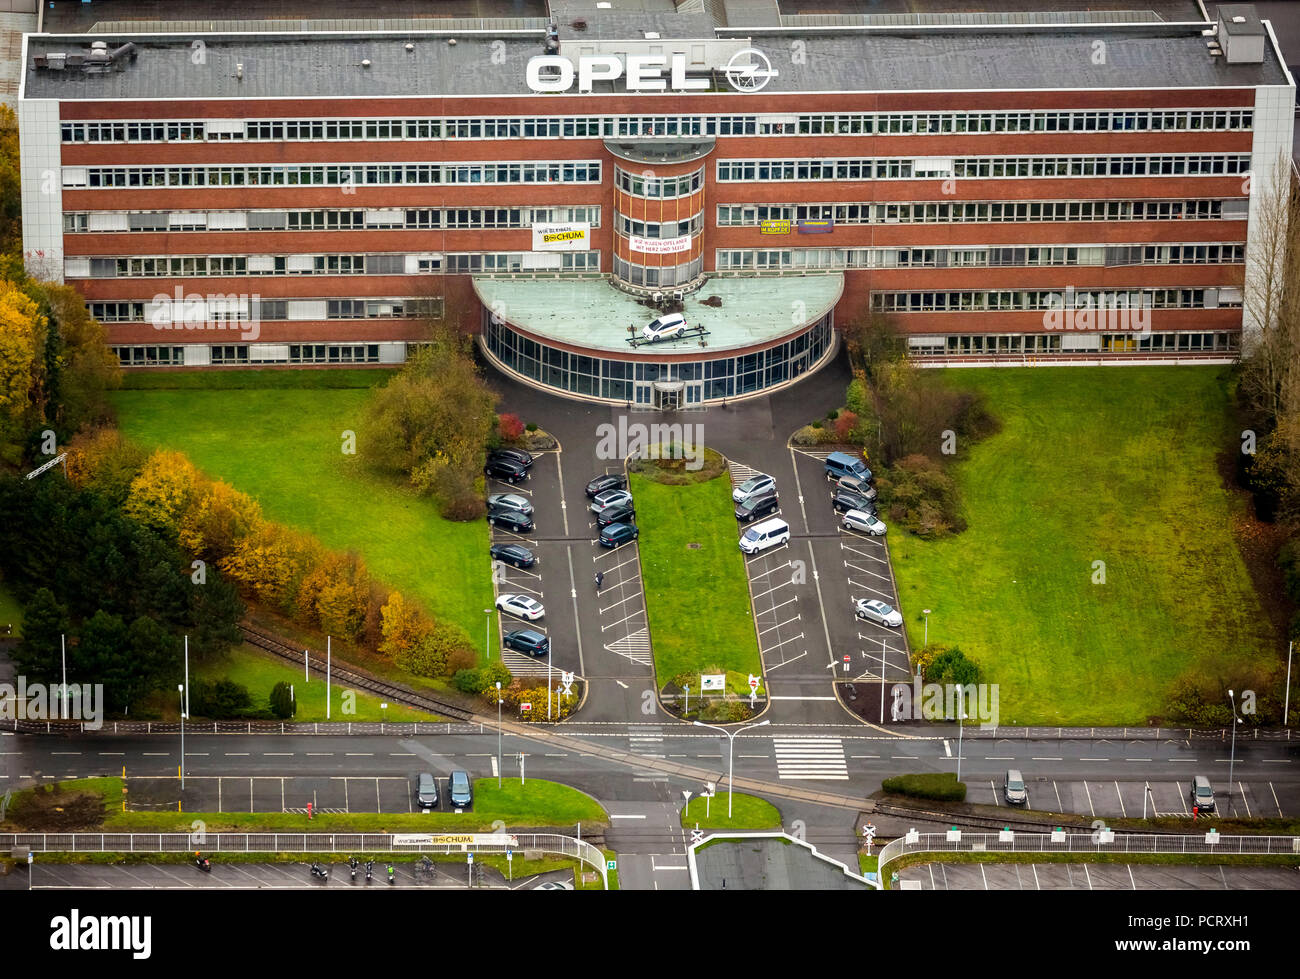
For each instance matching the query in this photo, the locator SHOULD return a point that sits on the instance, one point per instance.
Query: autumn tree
(217, 519)
(404, 626)
(163, 491)
(22, 344)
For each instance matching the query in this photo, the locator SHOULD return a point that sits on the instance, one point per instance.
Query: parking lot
(1092, 877)
(1110, 798)
(275, 793)
(620, 600)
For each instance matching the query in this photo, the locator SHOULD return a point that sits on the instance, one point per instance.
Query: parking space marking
(1059, 807)
(797, 618)
(1275, 802)
(1088, 791)
(1122, 811)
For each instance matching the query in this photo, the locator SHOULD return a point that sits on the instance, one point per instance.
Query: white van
(767, 534)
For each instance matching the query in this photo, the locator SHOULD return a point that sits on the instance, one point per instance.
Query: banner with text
(660, 246)
(561, 237)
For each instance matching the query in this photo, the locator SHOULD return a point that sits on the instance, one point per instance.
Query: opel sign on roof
(748, 70)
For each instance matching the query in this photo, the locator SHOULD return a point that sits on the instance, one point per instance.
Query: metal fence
(402, 728)
(348, 843)
(1094, 842)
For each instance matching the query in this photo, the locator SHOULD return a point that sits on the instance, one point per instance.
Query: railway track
(390, 692)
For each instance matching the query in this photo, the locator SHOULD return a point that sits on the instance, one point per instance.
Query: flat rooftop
(738, 311)
(769, 864)
(305, 65)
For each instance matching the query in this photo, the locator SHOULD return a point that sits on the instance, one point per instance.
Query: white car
(609, 498)
(760, 483)
(510, 501)
(874, 610)
(865, 522)
(665, 327)
(521, 606)
(554, 885)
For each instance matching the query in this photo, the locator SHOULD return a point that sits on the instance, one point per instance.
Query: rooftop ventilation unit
(1241, 34)
(98, 59)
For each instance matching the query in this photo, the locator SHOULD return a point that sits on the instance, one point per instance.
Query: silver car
(609, 498)
(510, 501)
(754, 485)
(881, 613)
(865, 522)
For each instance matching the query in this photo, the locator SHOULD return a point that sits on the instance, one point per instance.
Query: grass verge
(1091, 465)
(748, 812)
(697, 592)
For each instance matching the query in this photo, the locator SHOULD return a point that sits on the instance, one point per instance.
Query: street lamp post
(487, 635)
(926, 613)
(1232, 758)
(731, 744)
(961, 716)
(180, 689)
(498, 734)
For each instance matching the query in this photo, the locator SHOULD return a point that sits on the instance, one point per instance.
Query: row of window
(640, 185)
(592, 127)
(899, 168)
(215, 265)
(658, 229)
(981, 212)
(1033, 344)
(343, 175)
(328, 220)
(299, 353)
(652, 276)
(1046, 299)
(260, 310)
(506, 262)
(730, 259)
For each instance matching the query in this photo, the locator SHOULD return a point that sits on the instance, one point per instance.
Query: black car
(757, 506)
(846, 501)
(524, 459)
(620, 513)
(510, 470)
(608, 481)
(618, 533)
(510, 519)
(528, 641)
(516, 554)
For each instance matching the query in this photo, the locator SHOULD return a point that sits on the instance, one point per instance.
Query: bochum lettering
(644, 73)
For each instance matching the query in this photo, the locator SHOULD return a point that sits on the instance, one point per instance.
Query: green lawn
(260, 671)
(11, 613)
(284, 448)
(747, 812)
(1092, 464)
(697, 599)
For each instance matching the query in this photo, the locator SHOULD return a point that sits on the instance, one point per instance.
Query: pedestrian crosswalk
(646, 740)
(635, 646)
(810, 758)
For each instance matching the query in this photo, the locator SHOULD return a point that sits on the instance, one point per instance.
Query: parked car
(528, 641)
(618, 513)
(521, 606)
(1202, 794)
(866, 522)
(874, 610)
(855, 485)
(608, 481)
(426, 791)
(763, 535)
(610, 498)
(758, 505)
(506, 469)
(460, 791)
(665, 327)
(520, 456)
(516, 554)
(618, 533)
(1013, 788)
(510, 501)
(520, 523)
(840, 464)
(844, 501)
(753, 486)
(554, 885)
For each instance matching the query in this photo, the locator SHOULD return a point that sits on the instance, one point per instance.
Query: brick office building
(304, 199)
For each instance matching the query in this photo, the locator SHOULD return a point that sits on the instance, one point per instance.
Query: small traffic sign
(525, 706)
(753, 682)
(697, 836)
(611, 864)
(471, 858)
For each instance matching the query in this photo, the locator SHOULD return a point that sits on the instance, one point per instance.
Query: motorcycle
(203, 863)
(318, 871)
(352, 866)
(370, 871)
(390, 873)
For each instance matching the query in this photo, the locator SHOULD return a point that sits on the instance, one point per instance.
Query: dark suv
(619, 513)
(757, 506)
(608, 481)
(846, 501)
(511, 470)
(618, 533)
(528, 641)
(524, 459)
